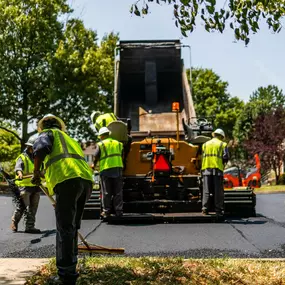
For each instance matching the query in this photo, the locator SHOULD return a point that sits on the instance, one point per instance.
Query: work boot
(105, 215)
(14, 227)
(56, 280)
(32, 231)
(119, 214)
(205, 212)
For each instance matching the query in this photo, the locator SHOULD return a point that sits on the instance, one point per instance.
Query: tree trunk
(24, 120)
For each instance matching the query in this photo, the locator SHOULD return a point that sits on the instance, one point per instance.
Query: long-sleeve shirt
(43, 145)
(20, 166)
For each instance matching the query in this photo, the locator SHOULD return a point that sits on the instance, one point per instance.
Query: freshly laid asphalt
(262, 236)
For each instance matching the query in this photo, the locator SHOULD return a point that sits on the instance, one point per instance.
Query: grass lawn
(152, 270)
(273, 188)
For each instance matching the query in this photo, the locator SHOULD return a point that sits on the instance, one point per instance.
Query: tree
(30, 30)
(267, 139)
(48, 66)
(83, 77)
(262, 101)
(212, 99)
(10, 146)
(243, 17)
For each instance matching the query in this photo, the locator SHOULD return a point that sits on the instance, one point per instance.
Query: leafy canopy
(242, 16)
(48, 66)
(9, 144)
(212, 100)
(29, 34)
(267, 139)
(262, 101)
(82, 77)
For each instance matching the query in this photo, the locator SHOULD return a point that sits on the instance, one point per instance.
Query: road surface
(262, 236)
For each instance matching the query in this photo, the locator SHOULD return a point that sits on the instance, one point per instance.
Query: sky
(244, 68)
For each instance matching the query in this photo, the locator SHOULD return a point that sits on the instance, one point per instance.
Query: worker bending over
(102, 120)
(215, 156)
(29, 193)
(109, 153)
(70, 178)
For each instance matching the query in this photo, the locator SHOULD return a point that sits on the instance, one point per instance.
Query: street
(262, 236)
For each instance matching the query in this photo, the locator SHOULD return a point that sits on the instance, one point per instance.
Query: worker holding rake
(69, 177)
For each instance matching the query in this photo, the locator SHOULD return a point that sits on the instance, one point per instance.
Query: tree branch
(11, 132)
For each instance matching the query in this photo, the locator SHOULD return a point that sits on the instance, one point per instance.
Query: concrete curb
(14, 271)
(270, 192)
(242, 259)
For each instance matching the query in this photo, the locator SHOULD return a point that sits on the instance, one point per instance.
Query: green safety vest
(104, 120)
(28, 170)
(110, 154)
(213, 154)
(66, 161)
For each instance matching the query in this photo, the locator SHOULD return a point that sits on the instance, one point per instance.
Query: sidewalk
(13, 271)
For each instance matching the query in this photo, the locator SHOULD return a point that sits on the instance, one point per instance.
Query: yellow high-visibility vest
(66, 161)
(213, 154)
(110, 154)
(104, 120)
(28, 170)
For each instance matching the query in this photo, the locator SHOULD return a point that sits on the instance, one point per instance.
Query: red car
(236, 177)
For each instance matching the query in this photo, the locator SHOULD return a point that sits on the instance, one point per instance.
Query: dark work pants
(213, 184)
(112, 190)
(71, 196)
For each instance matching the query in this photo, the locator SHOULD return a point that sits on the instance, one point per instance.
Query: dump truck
(162, 175)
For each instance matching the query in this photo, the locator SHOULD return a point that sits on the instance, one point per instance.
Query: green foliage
(83, 76)
(10, 146)
(212, 99)
(242, 16)
(29, 33)
(262, 101)
(48, 66)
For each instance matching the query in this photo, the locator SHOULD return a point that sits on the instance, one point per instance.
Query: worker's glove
(36, 179)
(20, 175)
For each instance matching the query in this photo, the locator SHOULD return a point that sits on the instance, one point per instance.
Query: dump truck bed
(149, 77)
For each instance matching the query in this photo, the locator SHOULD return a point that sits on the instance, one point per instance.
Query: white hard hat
(31, 140)
(219, 132)
(94, 116)
(103, 131)
(48, 117)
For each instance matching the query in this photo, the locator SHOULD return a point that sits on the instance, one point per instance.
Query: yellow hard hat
(49, 117)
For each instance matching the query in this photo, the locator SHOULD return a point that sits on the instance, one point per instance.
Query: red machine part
(252, 180)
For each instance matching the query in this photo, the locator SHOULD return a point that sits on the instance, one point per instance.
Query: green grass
(273, 188)
(169, 271)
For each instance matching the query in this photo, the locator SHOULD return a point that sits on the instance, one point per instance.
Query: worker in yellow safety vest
(109, 153)
(29, 193)
(214, 157)
(69, 177)
(102, 120)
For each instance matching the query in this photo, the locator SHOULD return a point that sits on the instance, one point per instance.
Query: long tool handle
(98, 247)
(47, 194)
(24, 177)
(54, 203)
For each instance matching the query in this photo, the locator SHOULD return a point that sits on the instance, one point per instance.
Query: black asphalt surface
(262, 236)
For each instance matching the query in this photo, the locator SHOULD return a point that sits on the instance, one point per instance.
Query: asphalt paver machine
(162, 177)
